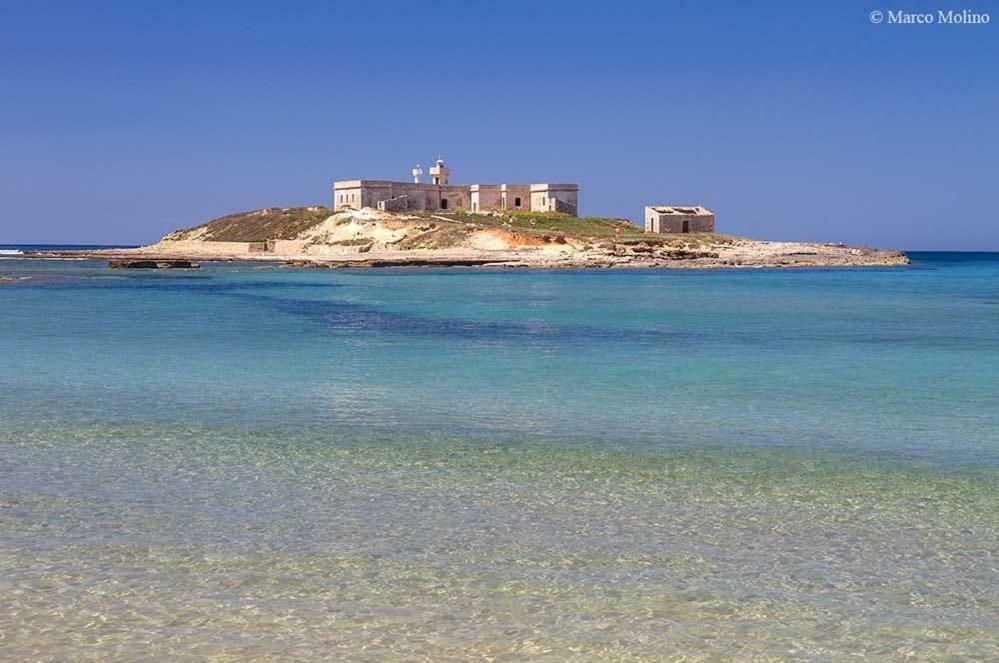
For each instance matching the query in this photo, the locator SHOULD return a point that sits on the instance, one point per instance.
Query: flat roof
(350, 184)
(688, 210)
(353, 184)
(557, 187)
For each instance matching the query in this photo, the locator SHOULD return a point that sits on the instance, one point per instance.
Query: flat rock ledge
(396, 262)
(737, 254)
(153, 264)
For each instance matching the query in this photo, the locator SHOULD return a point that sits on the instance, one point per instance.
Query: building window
(544, 201)
(516, 202)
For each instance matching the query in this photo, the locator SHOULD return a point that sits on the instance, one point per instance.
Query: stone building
(440, 195)
(679, 219)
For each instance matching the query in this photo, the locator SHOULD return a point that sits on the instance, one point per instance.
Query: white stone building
(679, 219)
(440, 195)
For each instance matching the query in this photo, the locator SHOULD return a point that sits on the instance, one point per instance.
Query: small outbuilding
(679, 219)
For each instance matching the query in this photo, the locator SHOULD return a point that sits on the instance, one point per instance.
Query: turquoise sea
(245, 463)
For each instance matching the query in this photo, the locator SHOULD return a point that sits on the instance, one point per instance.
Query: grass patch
(260, 225)
(537, 223)
(595, 228)
(445, 229)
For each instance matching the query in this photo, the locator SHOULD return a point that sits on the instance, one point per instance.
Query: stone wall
(457, 197)
(690, 224)
(677, 222)
(509, 193)
(373, 194)
(355, 194)
(208, 248)
(398, 204)
(288, 246)
(555, 198)
(418, 196)
(486, 197)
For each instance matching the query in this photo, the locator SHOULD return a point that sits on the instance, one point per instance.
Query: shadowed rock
(153, 264)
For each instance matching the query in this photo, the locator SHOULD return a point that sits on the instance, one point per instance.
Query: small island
(322, 237)
(382, 223)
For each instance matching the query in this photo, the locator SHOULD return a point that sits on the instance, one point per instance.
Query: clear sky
(790, 120)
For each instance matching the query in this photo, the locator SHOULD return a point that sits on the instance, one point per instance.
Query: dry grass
(534, 223)
(445, 229)
(593, 228)
(261, 225)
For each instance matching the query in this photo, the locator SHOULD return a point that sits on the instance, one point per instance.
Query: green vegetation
(260, 225)
(444, 229)
(538, 223)
(594, 228)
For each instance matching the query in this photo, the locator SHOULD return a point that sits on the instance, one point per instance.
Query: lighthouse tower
(439, 172)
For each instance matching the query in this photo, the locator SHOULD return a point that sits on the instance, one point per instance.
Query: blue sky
(122, 121)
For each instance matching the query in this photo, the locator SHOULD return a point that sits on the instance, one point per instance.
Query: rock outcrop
(318, 236)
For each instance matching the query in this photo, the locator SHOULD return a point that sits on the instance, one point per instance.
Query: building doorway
(686, 226)
(444, 203)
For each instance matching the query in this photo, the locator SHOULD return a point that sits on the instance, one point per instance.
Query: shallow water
(376, 465)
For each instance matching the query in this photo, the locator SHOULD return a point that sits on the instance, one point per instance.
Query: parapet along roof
(695, 210)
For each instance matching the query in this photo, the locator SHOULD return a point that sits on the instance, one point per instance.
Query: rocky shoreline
(320, 238)
(740, 254)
